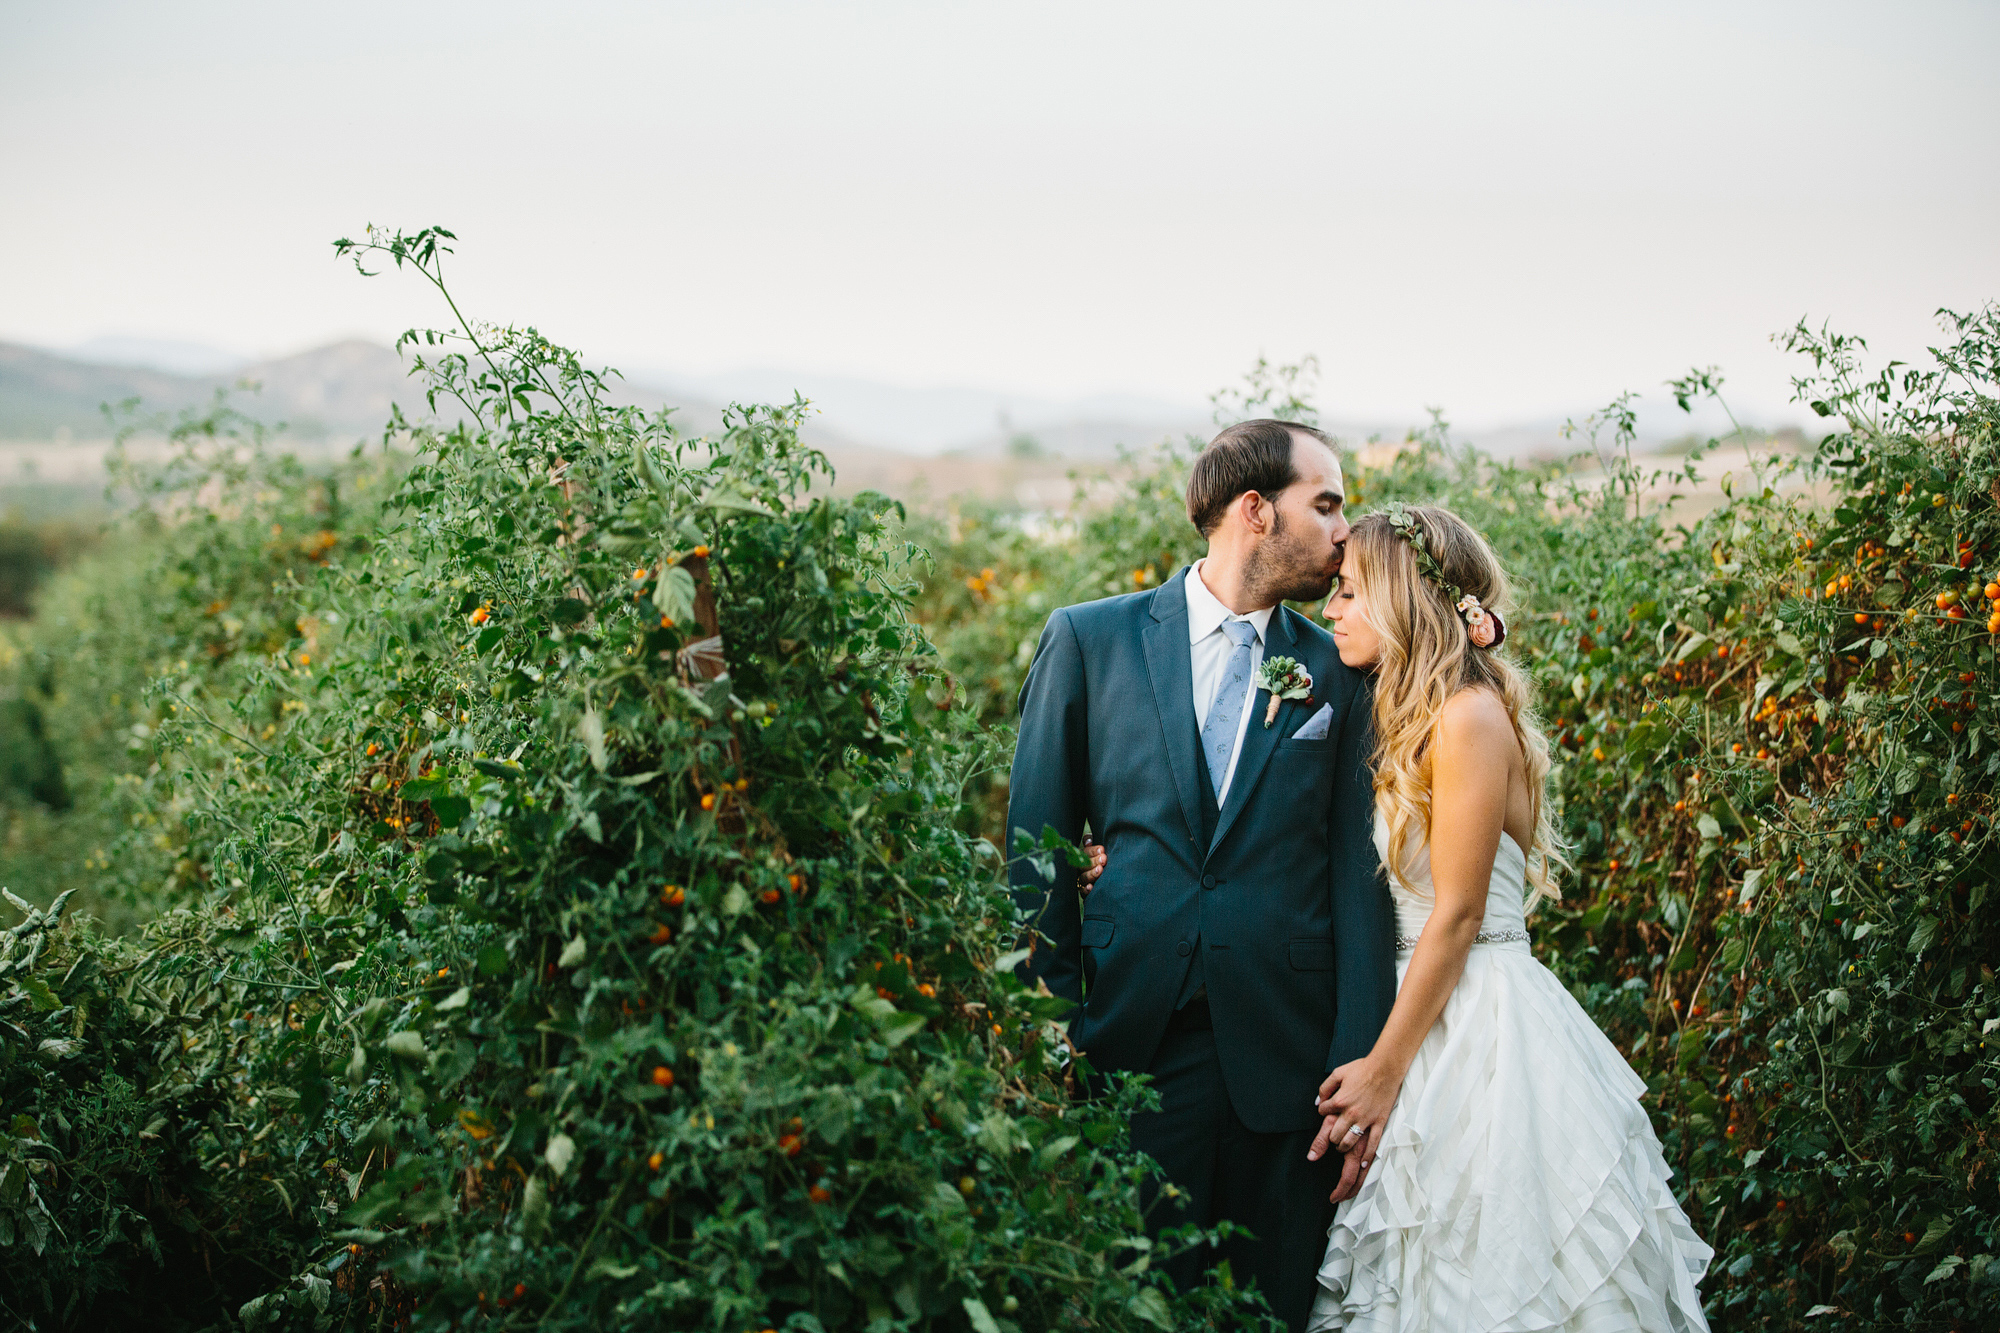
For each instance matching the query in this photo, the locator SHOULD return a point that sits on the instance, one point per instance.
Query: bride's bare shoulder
(1473, 721)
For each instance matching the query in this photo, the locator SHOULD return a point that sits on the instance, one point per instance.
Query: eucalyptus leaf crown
(1483, 624)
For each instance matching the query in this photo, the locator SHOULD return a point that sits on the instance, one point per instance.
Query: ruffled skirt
(1519, 1185)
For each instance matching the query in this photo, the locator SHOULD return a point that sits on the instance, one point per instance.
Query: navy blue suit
(1280, 890)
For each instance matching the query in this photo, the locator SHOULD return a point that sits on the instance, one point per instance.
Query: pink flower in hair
(1480, 625)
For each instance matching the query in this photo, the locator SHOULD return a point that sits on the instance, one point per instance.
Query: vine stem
(584, 1252)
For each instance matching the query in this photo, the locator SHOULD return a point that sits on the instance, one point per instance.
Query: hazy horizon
(1512, 214)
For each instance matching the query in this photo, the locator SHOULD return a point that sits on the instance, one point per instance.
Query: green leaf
(865, 1001)
(981, 1317)
(674, 596)
(650, 473)
(1926, 931)
(728, 497)
(534, 1208)
(1732, 955)
(1709, 827)
(450, 810)
(1944, 1269)
(1052, 1151)
(902, 1027)
(1692, 1042)
(420, 789)
(560, 1152)
(1151, 1306)
(591, 729)
(569, 611)
(406, 1045)
(46, 1000)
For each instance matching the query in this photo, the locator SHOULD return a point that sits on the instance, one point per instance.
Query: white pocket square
(1316, 726)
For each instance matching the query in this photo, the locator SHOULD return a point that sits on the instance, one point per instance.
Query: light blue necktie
(1218, 734)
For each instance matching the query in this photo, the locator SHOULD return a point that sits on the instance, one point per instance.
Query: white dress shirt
(1209, 650)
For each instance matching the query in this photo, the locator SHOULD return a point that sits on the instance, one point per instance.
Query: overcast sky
(1509, 210)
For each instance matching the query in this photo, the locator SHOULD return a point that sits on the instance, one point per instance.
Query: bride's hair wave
(1427, 658)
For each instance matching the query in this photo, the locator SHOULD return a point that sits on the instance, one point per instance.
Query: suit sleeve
(1047, 788)
(1364, 917)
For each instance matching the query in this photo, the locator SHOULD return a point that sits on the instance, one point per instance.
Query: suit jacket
(1285, 899)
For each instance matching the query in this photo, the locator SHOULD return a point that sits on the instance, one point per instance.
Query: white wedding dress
(1519, 1184)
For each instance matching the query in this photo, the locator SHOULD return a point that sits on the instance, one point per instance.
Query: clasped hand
(1354, 1101)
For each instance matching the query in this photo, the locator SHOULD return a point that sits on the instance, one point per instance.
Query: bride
(1511, 1179)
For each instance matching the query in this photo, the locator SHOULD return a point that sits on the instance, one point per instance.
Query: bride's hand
(1356, 1100)
(1087, 878)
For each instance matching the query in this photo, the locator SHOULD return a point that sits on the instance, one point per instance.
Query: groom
(1240, 943)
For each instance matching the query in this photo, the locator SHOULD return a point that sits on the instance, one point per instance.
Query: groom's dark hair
(1248, 456)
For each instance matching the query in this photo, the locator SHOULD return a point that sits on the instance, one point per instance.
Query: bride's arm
(1471, 765)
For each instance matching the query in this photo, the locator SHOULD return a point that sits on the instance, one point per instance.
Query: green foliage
(153, 656)
(579, 920)
(410, 792)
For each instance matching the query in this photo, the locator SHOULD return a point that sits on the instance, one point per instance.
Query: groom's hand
(1352, 1173)
(1355, 1160)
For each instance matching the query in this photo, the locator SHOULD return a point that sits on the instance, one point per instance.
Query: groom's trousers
(1225, 1171)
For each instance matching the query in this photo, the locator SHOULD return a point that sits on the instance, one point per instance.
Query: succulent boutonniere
(1285, 679)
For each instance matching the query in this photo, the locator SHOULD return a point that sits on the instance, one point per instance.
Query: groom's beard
(1289, 567)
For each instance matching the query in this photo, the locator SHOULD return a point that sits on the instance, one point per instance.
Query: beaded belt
(1405, 943)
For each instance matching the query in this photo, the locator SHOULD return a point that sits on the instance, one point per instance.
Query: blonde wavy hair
(1426, 659)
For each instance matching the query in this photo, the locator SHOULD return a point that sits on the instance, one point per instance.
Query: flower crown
(1483, 625)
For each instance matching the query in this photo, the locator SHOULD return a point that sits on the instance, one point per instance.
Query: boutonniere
(1285, 679)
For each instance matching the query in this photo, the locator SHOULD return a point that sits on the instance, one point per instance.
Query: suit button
(1184, 948)
(1208, 881)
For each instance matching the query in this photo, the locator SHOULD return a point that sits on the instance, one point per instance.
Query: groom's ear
(1255, 511)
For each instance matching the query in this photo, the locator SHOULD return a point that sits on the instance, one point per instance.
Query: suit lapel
(1170, 664)
(1259, 742)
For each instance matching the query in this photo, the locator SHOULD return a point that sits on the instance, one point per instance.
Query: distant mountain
(172, 355)
(912, 443)
(342, 389)
(52, 403)
(939, 419)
